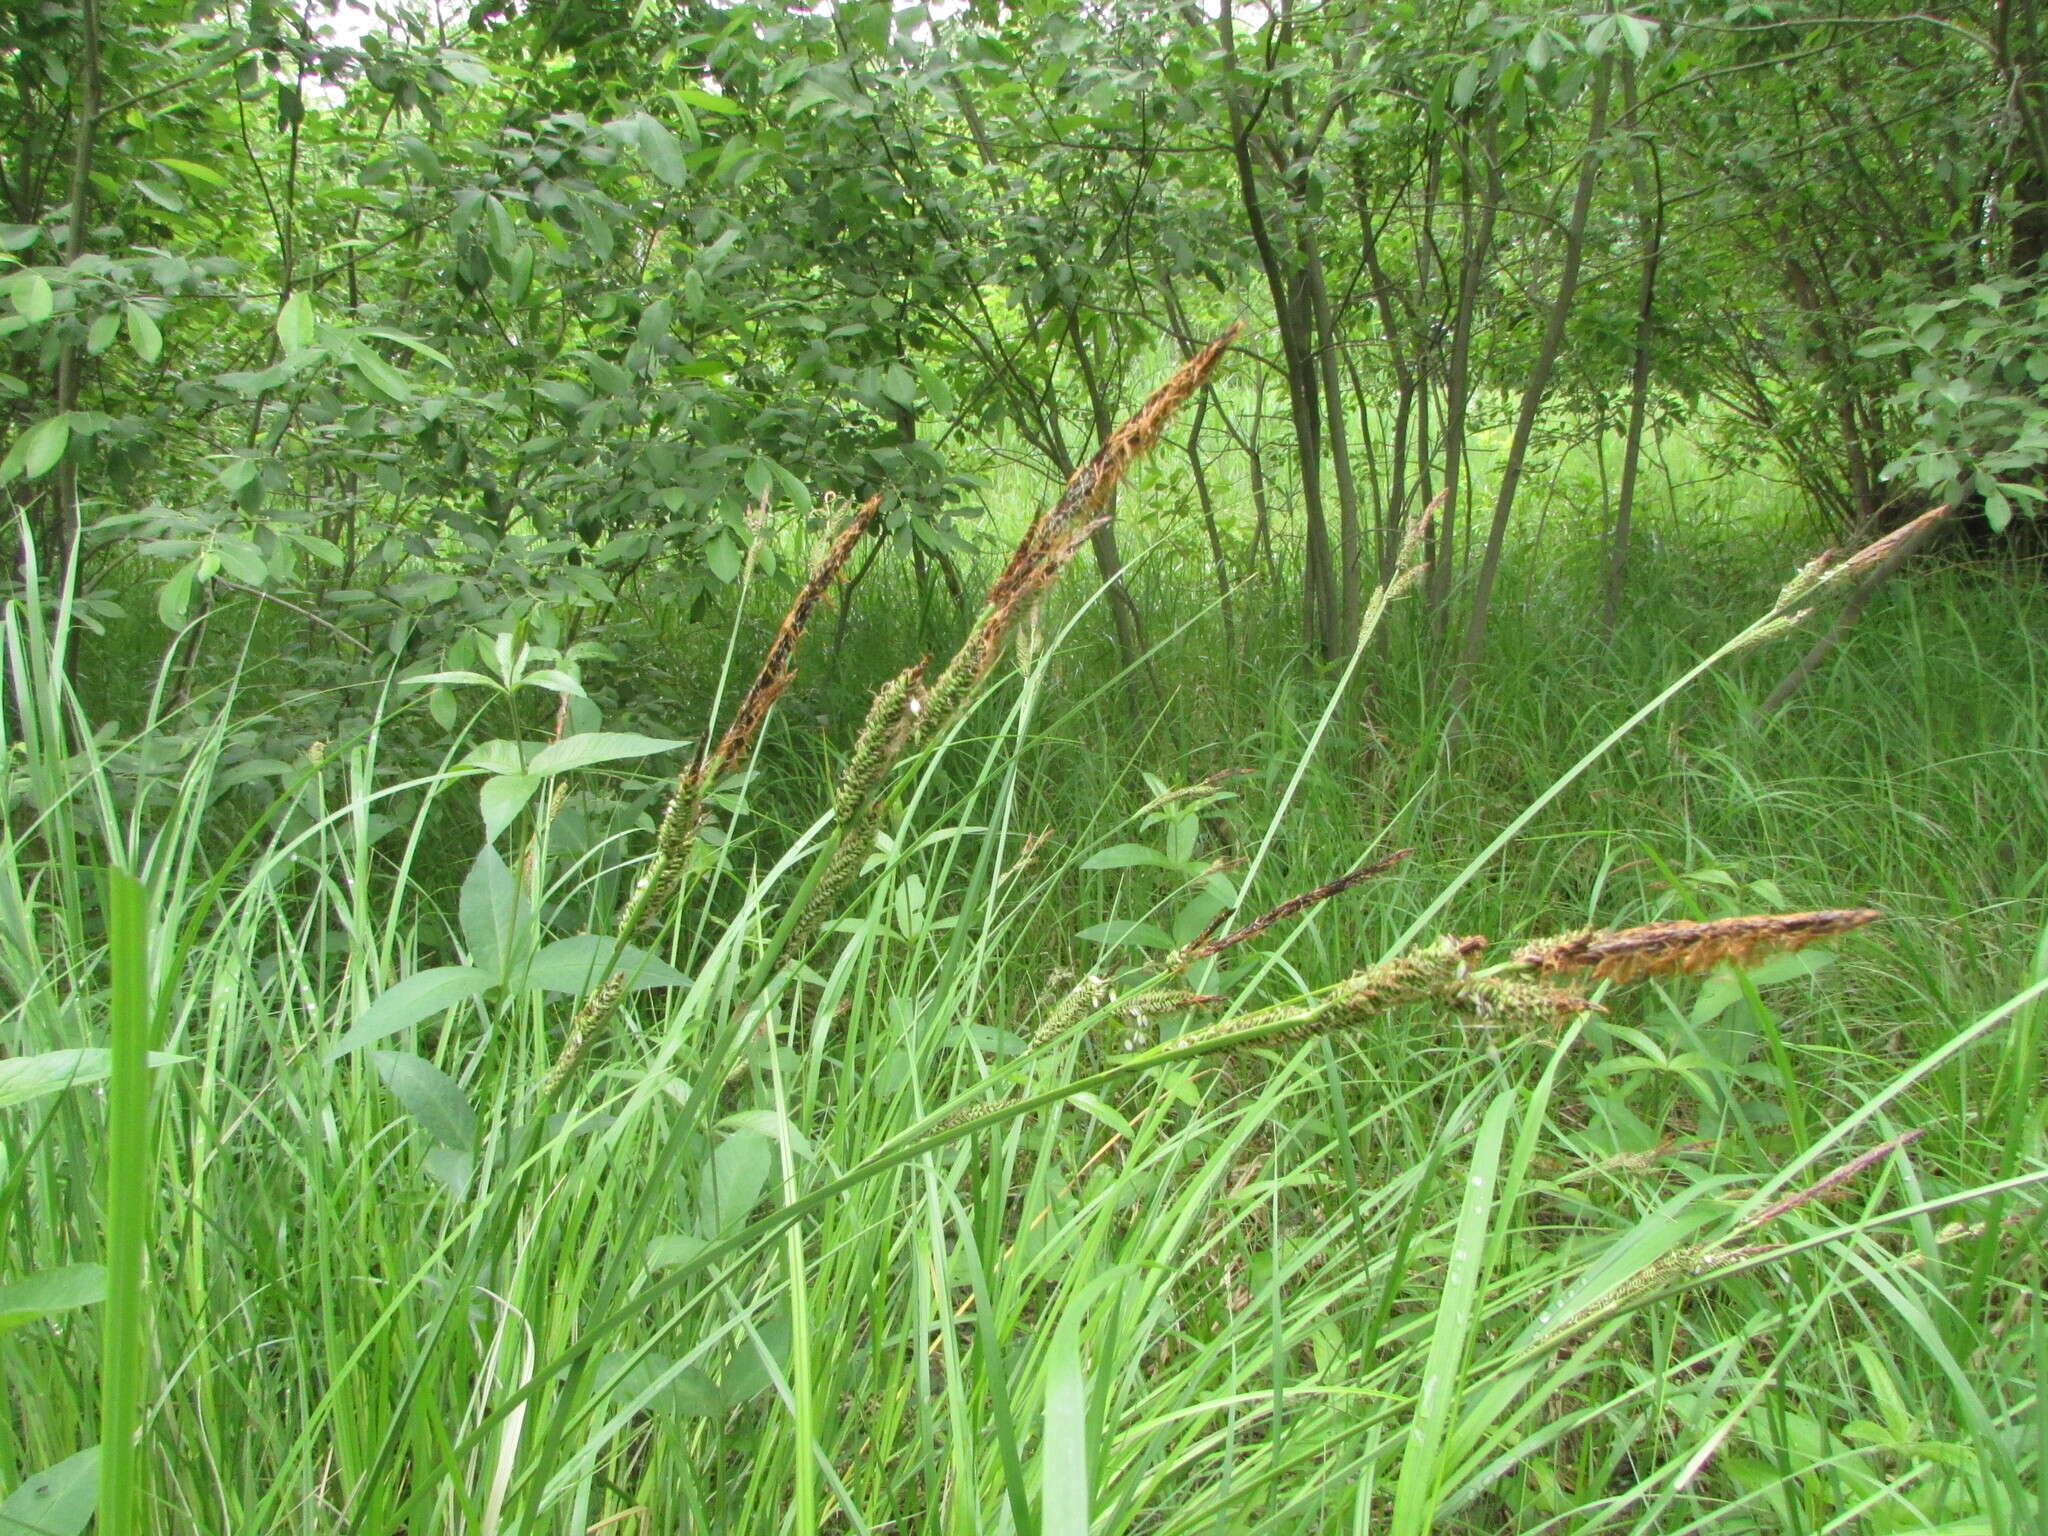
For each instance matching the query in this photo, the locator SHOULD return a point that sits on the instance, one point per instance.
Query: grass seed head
(1525, 1007)
(1057, 534)
(778, 665)
(673, 838)
(1670, 949)
(890, 721)
(592, 1017)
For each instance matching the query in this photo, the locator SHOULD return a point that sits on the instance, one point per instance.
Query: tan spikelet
(1667, 949)
(1058, 533)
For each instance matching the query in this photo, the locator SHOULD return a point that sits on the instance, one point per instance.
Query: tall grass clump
(686, 1167)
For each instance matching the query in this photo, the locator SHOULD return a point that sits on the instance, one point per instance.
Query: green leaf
(464, 67)
(143, 334)
(596, 747)
(38, 450)
(193, 171)
(774, 1126)
(667, 1387)
(505, 240)
(730, 1184)
(58, 1501)
(47, 441)
(102, 332)
(1997, 509)
(430, 1096)
(491, 756)
(295, 324)
(899, 386)
(449, 1167)
(1144, 935)
(487, 908)
(707, 101)
(721, 554)
(1064, 1456)
(747, 1376)
(438, 679)
(411, 344)
(577, 964)
(33, 300)
(673, 1248)
(388, 381)
(1125, 856)
(519, 275)
(1725, 987)
(503, 797)
(417, 997)
(31, 1077)
(51, 1290)
(174, 597)
(661, 149)
(1465, 86)
(1416, 1493)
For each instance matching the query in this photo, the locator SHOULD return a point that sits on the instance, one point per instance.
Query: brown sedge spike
(1681, 948)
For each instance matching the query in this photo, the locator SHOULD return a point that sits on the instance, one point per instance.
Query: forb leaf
(503, 797)
(51, 1290)
(430, 1096)
(577, 964)
(57, 1501)
(1125, 856)
(417, 997)
(580, 751)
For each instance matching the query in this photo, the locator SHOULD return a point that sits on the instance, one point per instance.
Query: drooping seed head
(1681, 948)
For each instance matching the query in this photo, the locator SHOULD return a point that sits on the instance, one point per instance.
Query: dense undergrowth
(746, 1268)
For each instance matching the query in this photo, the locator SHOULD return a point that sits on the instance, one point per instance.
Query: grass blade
(128, 1180)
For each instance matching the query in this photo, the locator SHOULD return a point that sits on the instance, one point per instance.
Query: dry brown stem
(1839, 1176)
(1205, 946)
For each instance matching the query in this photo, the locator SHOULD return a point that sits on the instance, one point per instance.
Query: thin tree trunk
(1350, 547)
(1374, 491)
(1319, 597)
(1478, 247)
(1262, 507)
(60, 530)
(1397, 481)
(1392, 506)
(1650, 235)
(1538, 384)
